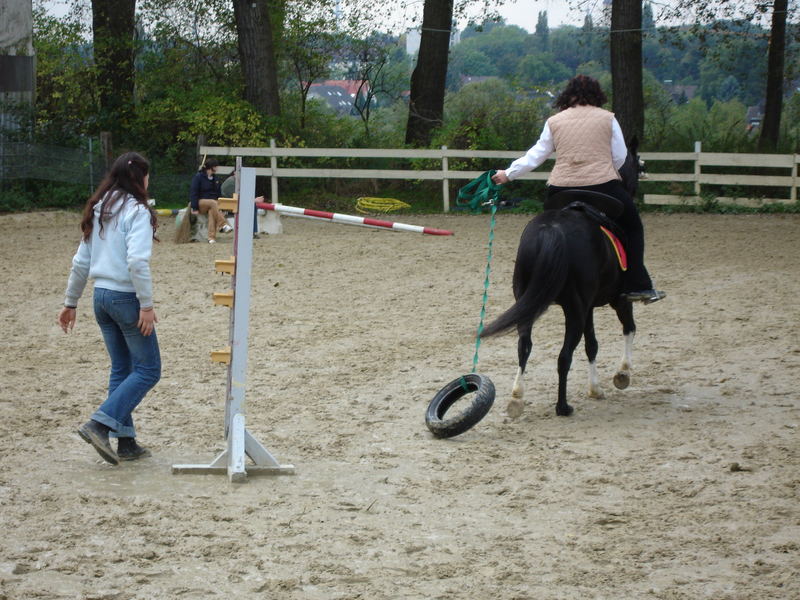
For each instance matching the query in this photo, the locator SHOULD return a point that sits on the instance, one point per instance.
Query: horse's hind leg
(574, 329)
(524, 347)
(590, 343)
(622, 378)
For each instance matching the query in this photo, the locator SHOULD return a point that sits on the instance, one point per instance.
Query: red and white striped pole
(294, 211)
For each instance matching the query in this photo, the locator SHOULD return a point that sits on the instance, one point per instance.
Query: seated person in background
(203, 194)
(229, 188)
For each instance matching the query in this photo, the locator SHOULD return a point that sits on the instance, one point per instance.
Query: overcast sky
(525, 13)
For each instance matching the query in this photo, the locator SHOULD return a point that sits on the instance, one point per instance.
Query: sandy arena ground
(684, 486)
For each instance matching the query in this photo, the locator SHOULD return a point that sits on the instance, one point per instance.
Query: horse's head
(633, 169)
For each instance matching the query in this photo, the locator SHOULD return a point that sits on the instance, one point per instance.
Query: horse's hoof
(564, 411)
(596, 393)
(622, 380)
(514, 408)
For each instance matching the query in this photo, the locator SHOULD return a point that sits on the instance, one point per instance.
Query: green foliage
(31, 195)
(66, 99)
(722, 128)
(659, 109)
(540, 69)
(790, 125)
(225, 122)
(389, 126)
(323, 128)
(491, 115)
(502, 45)
(467, 62)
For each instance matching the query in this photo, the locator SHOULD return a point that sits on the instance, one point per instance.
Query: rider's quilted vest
(582, 140)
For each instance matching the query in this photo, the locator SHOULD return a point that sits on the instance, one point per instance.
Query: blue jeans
(135, 359)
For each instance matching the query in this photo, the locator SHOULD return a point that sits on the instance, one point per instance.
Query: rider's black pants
(636, 277)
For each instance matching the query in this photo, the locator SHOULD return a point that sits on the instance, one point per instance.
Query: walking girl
(118, 231)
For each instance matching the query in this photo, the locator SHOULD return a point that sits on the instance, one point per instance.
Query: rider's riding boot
(644, 296)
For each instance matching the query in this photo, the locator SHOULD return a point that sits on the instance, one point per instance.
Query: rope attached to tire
(480, 192)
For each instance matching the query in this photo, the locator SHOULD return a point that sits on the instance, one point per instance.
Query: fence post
(201, 141)
(445, 181)
(793, 193)
(107, 148)
(697, 149)
(273, 165)
(91, 166)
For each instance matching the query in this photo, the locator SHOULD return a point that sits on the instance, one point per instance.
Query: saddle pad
(618, 248)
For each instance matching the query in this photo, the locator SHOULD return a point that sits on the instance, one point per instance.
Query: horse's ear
(633, 144)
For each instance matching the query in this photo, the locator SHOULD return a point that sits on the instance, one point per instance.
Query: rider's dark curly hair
(580, 91)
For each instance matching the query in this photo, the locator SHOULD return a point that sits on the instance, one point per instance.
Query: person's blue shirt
(203, 187)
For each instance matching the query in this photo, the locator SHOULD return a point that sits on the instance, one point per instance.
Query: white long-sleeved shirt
(544, 148)
(119, 258)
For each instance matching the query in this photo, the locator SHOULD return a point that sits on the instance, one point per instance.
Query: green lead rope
(478, 193)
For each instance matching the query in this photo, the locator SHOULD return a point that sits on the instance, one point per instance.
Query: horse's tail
(541, 268)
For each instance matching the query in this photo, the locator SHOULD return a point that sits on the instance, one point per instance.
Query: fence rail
(695, 175)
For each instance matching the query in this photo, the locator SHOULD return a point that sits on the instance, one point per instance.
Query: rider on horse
(590, 151)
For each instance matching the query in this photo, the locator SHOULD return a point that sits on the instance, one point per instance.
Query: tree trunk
(114, 36)
(426, 105)
(626, 67)
(257, 55)
(771, 126)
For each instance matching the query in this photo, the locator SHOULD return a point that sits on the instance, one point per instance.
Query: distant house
(341, 95)
(336, 97)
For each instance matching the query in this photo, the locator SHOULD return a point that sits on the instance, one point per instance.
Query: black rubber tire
(447, 396)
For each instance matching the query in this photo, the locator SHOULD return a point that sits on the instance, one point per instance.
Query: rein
(480, 192)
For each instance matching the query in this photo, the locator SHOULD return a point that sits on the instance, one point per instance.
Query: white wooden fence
(695, 176)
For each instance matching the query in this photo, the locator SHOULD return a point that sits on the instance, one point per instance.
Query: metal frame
(240, 442)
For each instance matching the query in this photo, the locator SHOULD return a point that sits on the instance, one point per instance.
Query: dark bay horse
(565, 258)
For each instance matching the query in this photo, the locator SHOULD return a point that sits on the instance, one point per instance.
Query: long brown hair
(581, 90)
(125, 178)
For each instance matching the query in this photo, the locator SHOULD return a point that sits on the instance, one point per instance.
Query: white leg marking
(623, 377)
(517, 391)
(516, 404)
(595, 391)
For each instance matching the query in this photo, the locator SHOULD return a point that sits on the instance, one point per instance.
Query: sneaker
(96, 434)
(128, 449)
(226, 228)
(212, 241)
(644, 296)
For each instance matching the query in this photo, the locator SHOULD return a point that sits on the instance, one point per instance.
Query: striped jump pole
(294, 211)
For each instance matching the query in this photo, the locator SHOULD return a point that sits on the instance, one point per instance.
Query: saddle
(608, 206)
(600, 208)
